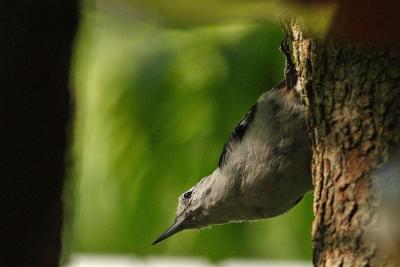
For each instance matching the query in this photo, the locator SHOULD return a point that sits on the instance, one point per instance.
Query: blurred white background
(125, 261)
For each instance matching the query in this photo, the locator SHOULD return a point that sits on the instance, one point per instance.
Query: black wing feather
(297, 201)
(237, 134)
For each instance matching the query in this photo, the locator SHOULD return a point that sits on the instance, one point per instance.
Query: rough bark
(352, 95)
(35, 49)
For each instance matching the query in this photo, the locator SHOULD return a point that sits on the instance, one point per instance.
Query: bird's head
(198, 207)
(217, 199)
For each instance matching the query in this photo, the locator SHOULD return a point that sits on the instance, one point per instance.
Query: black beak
(175, 228)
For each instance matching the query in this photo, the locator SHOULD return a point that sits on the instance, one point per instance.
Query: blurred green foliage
(154, 107)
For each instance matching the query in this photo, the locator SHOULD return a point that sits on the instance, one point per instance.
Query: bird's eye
(187, 195)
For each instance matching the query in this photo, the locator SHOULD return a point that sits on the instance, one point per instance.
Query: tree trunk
(352, 96)
(35, 50)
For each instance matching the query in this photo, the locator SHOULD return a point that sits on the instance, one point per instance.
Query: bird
(264, 169)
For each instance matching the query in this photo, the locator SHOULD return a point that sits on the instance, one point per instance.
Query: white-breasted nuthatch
(264, 169)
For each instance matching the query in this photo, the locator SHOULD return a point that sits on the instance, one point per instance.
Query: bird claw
(290, 69)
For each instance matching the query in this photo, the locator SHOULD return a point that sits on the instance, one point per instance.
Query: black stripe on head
(237, 134)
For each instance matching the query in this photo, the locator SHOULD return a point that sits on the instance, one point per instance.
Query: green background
(155, 101)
